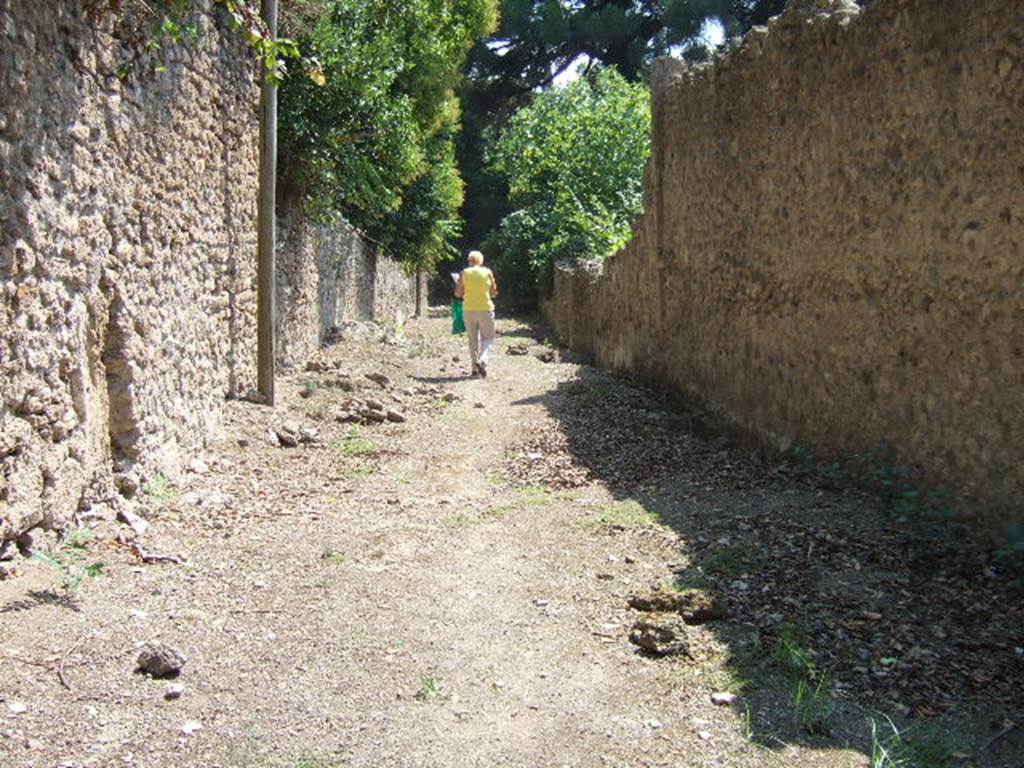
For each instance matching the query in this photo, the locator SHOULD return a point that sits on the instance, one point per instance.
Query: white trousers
(480, 331)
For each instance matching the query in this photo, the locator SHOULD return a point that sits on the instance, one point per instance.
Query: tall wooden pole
(266, 309)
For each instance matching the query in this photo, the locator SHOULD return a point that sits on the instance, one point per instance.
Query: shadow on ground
(846, 626)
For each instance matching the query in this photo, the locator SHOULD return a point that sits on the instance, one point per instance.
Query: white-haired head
(475, 258)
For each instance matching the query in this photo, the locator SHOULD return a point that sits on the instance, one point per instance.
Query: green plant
(316, 760)
(159, 489)
(812, 704)
(533, 495)
(332, 556)
(728, 560)
(431, 689)
(355, 446)
(923, 745)
(623, 514)
(791, 654)
(72, 571)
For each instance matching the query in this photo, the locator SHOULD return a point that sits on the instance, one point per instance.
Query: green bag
(458, 324)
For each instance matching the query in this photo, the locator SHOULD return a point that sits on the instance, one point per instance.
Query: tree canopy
(573, 163)
(370, 136)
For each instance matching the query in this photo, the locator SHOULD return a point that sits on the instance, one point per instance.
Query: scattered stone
(375, 405)
(479, 405)
(127, 484)
(517, 349)
(198, 467)
(740, 586)
(449, 397)
(174, 691)
(133, 521)
(661, 634)
(605, 576)
(26, 543)
(629, 559)
(396, 416)
(379, 378)
(545, 355)
(695, 606)
(456, 358)
(374, 416)
(289, 434)
(308, 435)
(191, 727)
(273, 439)
(654, 724)
(307, 391)
(7, 551)
(243, 442)
(723, 698)
(17, 708)
(255, 396)
(317, 366)
(159, 660)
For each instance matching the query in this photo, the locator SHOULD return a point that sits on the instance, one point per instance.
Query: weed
(332, 556)
(918, 746)
(728, 560)
(77, 537)
(72, 572)
(534, 495)
(691, 578)
(624, 514)
(498, 512)
(459, 520)
(159, 489)
(431, 689)
(791, 654)
(355, 446)
(812, 705)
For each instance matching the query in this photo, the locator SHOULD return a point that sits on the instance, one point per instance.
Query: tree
(372, 134)
(573, 160)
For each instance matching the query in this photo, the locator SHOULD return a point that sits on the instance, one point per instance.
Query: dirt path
(451, 591)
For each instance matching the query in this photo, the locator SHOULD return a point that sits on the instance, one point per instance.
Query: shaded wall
(127, 221)
(328, 274)
(831, 252)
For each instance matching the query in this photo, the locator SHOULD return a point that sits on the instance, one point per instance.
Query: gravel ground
(448, 588)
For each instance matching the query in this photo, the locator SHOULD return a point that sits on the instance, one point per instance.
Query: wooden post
(266, 217)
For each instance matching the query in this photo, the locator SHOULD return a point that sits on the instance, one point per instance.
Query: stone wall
(328, 274)
(831, 252)
(127, 234)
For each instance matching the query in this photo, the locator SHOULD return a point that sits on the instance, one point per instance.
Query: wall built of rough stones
(832, 252)
(127, 221)
(329, 274)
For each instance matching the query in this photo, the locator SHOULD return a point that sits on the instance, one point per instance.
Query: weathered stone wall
(127, 221)
(831, 252)
(329, 274)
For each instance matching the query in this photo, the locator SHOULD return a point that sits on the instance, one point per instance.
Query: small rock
(306, 392)
(740, 586)
(396, 416)
(545, 355)
(449, 397)
(654, 724)
(695, 606)
(704, 735)
(198, 467)
(26, 543)
(605, 576)
(516, 349)
(479, 405)
(456, 358)
(243, 442)
(375, 405)
(723, 698)
(174, 691)
(191, 727)
(17, 708)
(288, 434)
(661, 634)
(159, 660)
(7, 551)
(374, 416)
(308, 435)
(379, 378)
(272, 438)
(133, 521)
(629, 559)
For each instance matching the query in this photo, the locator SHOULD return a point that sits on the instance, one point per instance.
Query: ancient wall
(831, 252)
(127, 221)
(329, 274)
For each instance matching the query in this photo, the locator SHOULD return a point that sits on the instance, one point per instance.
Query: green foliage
(372, 136)
(159, 488)
(68, 563)
(573, 161)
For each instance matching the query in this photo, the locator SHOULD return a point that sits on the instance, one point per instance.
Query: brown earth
(452, 591)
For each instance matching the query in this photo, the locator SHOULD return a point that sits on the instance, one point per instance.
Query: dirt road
(448, 589)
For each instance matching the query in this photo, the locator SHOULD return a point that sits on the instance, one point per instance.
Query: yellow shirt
(476, 284)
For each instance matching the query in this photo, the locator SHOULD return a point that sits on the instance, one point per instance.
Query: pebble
(17, 708)
(723, 698)
(174, 691)
(190, 727)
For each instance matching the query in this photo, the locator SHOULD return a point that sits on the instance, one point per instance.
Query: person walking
(477, 288)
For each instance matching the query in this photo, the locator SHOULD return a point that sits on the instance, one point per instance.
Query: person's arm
(494, 286)
(460, 289)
